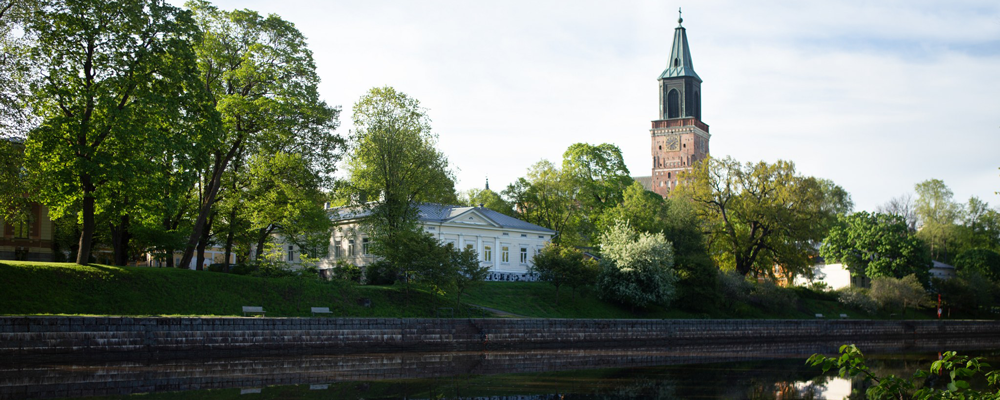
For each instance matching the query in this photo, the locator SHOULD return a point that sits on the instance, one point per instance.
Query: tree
(876, 245)
(936, 215)
(903, 207)
(637, 268)
(980, 228)
(982, 261)
(758, 216)
(16, 74)
(489, 199)
(264, 84)
(543, 198)
(562, 265)
(394, 163)
(598, 176)
(469, 271)
(115, 76)
(649, 212)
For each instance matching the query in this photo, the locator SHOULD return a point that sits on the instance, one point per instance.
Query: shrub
(892, 293)
(968, 291)
(772, 297)
(733, 286)
(346, 271)
(637, 268)
(380, 272)
(857, 298)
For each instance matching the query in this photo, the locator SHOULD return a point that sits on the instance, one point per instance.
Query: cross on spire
(680, 18)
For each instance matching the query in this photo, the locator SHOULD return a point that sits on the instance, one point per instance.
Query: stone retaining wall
(21, 336)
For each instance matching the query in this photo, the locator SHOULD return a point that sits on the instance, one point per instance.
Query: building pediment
(471, 217)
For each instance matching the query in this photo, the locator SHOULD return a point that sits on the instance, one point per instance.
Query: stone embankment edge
(27, 336)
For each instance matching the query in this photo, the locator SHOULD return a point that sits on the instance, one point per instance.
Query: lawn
(34, 288)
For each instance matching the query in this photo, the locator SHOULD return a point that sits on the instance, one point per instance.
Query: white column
(496, 254)
(461, 242)
(479, 247)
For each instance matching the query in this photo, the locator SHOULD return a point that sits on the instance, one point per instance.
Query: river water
(703, 371)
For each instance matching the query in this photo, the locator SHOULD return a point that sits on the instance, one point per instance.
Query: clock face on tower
(672, 142)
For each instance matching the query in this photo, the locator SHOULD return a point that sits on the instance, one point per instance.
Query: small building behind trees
(506, 244)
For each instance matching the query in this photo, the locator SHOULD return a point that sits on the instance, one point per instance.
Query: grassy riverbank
(29, 288)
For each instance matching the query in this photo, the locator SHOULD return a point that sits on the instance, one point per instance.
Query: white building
(506, 244)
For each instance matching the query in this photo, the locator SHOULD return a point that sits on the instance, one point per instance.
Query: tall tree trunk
(120, 237)
(262, 235)
(167, 223)
(229, 239)
(203, 242)
(87, 234)
(222, 161)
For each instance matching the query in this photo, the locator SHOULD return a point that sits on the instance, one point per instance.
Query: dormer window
(677, 62)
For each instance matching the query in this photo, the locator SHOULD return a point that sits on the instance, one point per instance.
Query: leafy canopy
(876, 245)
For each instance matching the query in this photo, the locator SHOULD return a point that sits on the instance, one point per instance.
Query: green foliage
(562, 265)
(968, 291)
(937, 214)
(758, 216)
(263, 82)
(980, 228)
(469, 272)
(985, 262)
(898, 293)
(544, 198)
(637, 268)
(119, 89)
(489, 199)
(14, 205)
(958, 369)
(346, 271)
(573, 199)
(858, 299)
(876, 245)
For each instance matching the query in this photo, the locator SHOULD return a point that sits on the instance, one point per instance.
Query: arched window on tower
(673, 104)
(697, 105)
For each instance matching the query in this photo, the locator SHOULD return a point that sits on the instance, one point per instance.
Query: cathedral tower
(679, 137)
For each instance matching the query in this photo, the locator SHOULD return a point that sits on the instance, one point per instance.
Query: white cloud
(876, 97)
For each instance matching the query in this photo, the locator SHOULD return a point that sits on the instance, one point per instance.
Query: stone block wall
(20, 336)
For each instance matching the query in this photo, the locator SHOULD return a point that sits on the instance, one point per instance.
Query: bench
(819, 315)
(252, 310)
(843, 316)
(320, 310)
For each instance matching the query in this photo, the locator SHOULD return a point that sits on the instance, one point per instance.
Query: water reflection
(750, 371)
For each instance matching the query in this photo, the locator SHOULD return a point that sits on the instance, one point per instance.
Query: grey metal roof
(941, 265)
(645, 181)
(440, 213)
(680, 63)
(430, 212)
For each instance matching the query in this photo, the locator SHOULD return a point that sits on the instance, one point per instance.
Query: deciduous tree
(394, 163)
(563, 265)
(263, 82)
(758, 216)
(115, 76)
(876, 245)
(937, 214)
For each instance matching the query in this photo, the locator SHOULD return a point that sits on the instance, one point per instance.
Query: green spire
(679, 63)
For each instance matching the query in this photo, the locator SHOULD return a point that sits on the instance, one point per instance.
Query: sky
(875, 96)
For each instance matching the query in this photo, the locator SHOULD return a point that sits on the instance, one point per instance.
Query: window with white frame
(488, 253)
(505, 254)
(364, 246)
(336, 249)
(291, 253)
(350, 248)
(524, 255)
